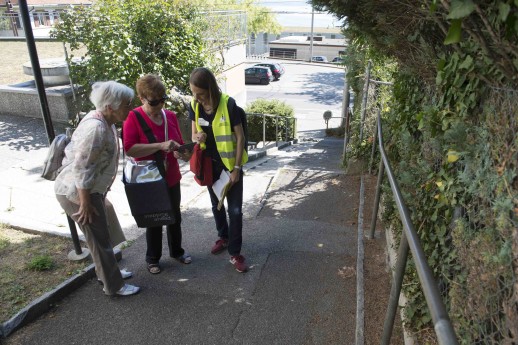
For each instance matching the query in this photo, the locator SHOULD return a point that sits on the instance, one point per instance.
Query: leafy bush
(41, 263)
(271, 107)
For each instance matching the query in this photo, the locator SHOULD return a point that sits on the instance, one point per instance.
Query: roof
(331, 30)
(53, 3)
(305, 40)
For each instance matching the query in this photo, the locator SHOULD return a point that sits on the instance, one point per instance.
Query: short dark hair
(204, 79)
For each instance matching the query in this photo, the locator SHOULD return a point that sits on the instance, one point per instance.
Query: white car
(319, 58)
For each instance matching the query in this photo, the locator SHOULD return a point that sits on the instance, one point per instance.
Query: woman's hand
(86, 211)
(167, 146)
(234, 176)
(200, 137)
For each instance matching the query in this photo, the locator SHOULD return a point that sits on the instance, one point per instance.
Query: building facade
(260, 44)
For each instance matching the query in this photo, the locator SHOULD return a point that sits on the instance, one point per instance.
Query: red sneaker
(219, 246)
(239, 263)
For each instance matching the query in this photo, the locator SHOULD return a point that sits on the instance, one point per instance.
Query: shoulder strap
(231, 106)
(151, 139)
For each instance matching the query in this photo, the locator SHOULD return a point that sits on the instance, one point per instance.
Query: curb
(256, 154)
(44, 303)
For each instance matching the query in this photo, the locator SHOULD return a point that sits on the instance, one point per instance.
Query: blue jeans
(174, 232)
(233, 229)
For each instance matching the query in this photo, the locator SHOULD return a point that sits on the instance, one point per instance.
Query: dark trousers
(173, 231)
(233, 229)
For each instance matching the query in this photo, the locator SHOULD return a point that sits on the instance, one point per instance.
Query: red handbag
(201, 166)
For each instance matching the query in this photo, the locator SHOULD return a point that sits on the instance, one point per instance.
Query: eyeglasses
(156, 102)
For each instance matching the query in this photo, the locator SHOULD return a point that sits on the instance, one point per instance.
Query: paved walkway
(296, 242)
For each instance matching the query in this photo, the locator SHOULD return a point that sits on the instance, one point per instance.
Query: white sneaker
(126, 290)
(125, 275)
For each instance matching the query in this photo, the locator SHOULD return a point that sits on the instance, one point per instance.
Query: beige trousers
(98, 241)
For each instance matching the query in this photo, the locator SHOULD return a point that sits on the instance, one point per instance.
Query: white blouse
(91, 158)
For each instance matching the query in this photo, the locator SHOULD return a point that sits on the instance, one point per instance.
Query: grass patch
(30, 265)
(41, 263)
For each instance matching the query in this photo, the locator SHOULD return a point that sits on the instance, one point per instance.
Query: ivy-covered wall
(451, 130)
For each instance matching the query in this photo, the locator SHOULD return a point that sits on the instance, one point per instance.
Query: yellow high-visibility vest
(226, 142)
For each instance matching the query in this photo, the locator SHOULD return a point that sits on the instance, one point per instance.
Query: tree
(125, 39)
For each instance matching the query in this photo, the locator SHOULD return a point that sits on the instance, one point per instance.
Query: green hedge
(270, 107)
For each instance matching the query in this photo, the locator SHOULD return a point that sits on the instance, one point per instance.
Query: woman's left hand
(234, 176)
(86, 213)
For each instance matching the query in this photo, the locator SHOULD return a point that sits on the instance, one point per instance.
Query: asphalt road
(309, 88)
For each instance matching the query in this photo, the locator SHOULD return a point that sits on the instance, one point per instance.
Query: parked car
(276, 68)
(258, 75)
(337, 59)
(319, 58)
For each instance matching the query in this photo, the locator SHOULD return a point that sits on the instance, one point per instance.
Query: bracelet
(237, 167)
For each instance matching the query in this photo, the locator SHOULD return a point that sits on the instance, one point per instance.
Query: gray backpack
(54, 161)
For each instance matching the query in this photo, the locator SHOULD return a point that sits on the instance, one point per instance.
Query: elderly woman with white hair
(89, 169)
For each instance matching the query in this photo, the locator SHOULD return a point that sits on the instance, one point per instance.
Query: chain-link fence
(485, 231)
(225, 28)
(361, 127)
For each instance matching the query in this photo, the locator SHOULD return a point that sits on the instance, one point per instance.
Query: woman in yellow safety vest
(220, 133)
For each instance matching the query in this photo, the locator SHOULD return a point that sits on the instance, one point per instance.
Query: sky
(302, 15)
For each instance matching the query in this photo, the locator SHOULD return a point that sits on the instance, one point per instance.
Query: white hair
(110, 93)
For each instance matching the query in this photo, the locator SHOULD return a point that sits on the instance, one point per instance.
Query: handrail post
(264, 130)
(276, 130)
(395, 290)
(381, 172)
(286, 120)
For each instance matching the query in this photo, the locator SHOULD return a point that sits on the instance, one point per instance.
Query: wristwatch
(237, 167)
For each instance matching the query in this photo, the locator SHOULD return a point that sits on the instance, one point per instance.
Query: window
(284, 53)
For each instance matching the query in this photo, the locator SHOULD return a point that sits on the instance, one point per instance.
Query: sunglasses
(156, 102)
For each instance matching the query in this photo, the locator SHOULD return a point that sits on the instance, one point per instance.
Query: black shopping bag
(150, 203)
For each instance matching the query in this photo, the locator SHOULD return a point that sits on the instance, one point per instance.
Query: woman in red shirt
(152, 94)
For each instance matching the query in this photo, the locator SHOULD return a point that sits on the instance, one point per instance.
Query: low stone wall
(23, 100)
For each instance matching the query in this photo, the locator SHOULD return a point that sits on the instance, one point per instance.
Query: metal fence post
(276, 130)
(346, 100)
(286, 121)
(364, 99)
(374, 143)
(264, 130)
(47, 120)
(381, 172)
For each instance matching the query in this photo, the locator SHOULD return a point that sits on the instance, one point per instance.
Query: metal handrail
(409, 240)
(276, 117)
